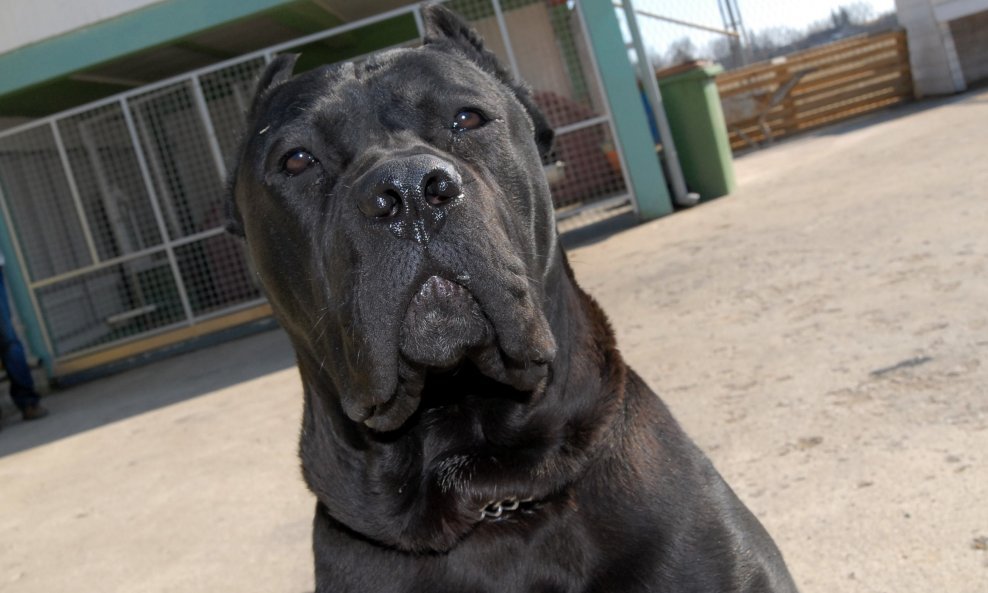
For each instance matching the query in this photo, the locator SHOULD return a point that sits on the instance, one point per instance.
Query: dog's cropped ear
(445, 28)
(232, 221)
(278, 71)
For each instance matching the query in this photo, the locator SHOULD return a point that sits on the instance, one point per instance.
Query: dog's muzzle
(411, 195)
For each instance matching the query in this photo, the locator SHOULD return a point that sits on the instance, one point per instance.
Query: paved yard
(822, 333)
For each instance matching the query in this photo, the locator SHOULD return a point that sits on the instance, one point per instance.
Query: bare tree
(682, 50)
(854, 18)
(858, 13)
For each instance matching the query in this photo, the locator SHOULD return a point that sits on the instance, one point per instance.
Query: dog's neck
(421, 491)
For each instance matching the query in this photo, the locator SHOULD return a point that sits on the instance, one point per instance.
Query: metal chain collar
(496, 510)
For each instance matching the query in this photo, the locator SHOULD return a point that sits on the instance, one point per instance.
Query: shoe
(35, 412)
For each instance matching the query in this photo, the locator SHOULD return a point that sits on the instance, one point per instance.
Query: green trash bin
(692, 106)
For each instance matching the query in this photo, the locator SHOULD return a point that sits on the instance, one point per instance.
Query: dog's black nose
(412, 194)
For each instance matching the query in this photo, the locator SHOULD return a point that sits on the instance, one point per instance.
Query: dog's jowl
(469, 424)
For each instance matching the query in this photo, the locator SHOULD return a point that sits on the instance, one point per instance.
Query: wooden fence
(816, 87)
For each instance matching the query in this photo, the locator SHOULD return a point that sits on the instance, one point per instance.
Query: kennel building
(116, 133)
(116, 138)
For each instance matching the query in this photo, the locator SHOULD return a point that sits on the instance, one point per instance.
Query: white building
(948, 43)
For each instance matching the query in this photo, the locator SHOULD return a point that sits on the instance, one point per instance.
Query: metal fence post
(630, 122)
(74, 192)
(654, 95)
(506, 38)
(207, 123)
(156, 208)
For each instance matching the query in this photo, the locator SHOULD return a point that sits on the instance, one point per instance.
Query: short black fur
(469, 424)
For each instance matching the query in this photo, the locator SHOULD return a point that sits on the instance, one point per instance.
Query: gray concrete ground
(822, 333)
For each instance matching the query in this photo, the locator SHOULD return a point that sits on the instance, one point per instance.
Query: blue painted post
(627, 109)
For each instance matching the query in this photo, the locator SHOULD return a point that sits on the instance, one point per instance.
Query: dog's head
(397, 215)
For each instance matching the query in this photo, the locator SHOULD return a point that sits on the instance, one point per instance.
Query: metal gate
(116, 207)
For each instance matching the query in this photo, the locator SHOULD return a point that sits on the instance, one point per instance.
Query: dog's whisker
(325, 313)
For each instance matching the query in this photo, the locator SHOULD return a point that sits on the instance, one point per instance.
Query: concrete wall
(933, 50)
(936, 69)
(28, 21)
(948, 10)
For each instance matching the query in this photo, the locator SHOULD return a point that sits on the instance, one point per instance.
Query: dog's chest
(558, 557)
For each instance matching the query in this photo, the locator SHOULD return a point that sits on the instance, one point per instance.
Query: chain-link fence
(116, 208)
(790, 66)
(737, 33)
(542, 42)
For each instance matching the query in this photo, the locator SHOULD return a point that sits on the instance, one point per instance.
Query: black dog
(469, 425)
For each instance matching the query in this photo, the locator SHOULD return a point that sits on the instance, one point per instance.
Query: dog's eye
(468, 119)
(296, 162)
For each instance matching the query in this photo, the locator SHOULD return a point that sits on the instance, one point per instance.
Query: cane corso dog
(469, 425)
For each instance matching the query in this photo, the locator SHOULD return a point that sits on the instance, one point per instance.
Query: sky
(761, 14)
(757, 15)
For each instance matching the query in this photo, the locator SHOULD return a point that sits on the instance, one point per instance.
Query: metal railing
(116, 207)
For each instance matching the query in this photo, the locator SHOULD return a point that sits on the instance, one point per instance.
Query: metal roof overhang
(155, 43)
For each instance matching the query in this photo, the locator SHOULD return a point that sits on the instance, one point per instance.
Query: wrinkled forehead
(396, 77)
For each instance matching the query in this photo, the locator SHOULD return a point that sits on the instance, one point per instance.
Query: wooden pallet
(816, 87)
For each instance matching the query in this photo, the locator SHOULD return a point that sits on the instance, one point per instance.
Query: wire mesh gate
(116, 207)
